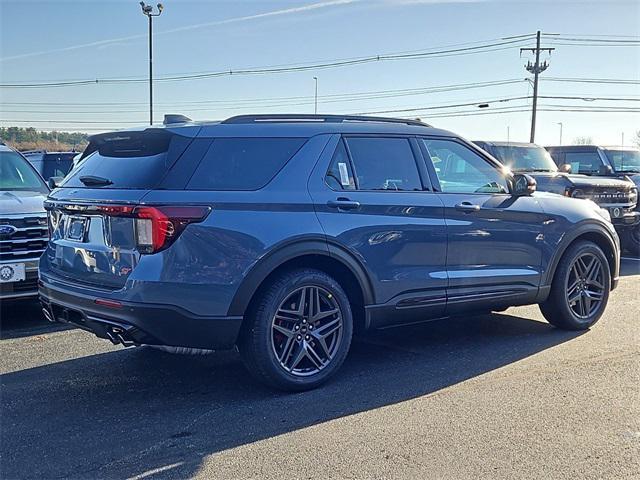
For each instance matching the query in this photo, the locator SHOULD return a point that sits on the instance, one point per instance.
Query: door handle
(467, 207)
(343, 204)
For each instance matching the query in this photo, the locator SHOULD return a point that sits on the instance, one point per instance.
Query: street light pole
(560, 123)
(315, 107)
(148, 11)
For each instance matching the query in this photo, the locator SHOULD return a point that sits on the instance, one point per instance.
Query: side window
(340, 174)
(461, 170)
(243, 163)
(583, 162)
(384, 164)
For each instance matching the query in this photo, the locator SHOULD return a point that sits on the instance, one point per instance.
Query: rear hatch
(99, 226)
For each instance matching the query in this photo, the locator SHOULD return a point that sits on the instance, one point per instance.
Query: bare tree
(637, 139)
(582, 141)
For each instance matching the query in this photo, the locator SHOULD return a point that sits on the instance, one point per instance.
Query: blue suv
(281, 235)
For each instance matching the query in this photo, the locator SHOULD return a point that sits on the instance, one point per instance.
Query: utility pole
(315, 108)
(537, 68)
(148, 11)
(560, 123)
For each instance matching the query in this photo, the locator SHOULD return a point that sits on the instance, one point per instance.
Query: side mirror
(605, 170)
(54, 182)
(565, 168)
(523, 185)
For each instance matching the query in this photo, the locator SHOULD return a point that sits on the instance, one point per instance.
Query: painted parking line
(630, 258)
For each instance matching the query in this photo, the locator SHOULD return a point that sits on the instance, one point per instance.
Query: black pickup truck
(618, 194)
(610, 162)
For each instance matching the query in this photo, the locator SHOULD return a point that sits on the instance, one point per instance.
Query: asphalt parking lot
(494, 396)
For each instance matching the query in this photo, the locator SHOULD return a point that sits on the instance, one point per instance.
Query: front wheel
(580, 288)
(298, 332)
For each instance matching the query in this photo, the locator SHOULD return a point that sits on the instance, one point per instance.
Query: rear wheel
(580, 288)
(298, 332)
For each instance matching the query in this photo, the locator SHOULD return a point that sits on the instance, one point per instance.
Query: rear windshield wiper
(92, 181)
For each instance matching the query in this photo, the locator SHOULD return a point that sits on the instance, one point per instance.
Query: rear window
(130, 160)
(243, 163)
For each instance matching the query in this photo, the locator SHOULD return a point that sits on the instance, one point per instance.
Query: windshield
(527, 159)
(17, 174)
(624, 160)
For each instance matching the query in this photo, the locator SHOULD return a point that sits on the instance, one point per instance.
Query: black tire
(631, 240)
(557, 309)
(263, 344)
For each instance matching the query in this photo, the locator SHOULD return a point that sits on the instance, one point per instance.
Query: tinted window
(340, 173)
(384, 164)
(624, 160)
(525, 159)
(583, 162)
(17, 174)
(461, 170)
(129, 159)
(243, 163)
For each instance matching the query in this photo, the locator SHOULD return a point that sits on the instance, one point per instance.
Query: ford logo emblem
(7, 230)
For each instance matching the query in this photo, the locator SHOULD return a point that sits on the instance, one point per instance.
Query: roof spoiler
(172, 118)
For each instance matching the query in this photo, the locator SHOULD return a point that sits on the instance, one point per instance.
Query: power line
(278, 70)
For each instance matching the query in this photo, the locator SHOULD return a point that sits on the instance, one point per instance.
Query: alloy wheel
(585, 285)
(306, 330)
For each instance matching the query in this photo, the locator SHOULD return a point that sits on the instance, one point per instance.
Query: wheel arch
(593, 233)
(329, 258)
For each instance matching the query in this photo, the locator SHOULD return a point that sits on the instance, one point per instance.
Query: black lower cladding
(142, 323)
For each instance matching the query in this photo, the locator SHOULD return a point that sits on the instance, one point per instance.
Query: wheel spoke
(321, 315)
(594, 295)
(298, 356)
(286, 350)
(328, 328)
(574, 297)
(314, 357)
(283, 330)
(586, 300)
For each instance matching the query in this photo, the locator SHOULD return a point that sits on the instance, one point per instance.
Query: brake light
(157, 227)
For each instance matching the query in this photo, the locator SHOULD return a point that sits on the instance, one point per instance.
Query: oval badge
(7, 230)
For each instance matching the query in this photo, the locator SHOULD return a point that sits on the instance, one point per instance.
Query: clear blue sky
(70, 40)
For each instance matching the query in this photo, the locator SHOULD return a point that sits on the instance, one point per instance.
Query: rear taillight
(157, 227)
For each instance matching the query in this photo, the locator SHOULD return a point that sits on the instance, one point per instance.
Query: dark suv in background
(281, 235)
(618, 195)
(612, 162)
(50, 164)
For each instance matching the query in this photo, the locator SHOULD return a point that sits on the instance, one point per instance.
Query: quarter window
(243, 163)
(461, 170)
(340, 173)
(384, 164)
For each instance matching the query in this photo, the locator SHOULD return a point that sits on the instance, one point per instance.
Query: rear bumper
(136, 324)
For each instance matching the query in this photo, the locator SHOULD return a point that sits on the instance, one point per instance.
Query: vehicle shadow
(124, 413)
(23, 319)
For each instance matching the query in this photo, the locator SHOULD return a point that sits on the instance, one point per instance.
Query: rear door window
(385, 163)
(243, 163)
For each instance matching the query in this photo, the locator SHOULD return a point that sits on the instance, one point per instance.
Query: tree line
(31, 139)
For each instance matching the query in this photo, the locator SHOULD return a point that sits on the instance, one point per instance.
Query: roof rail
(303, 117)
